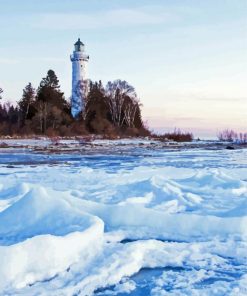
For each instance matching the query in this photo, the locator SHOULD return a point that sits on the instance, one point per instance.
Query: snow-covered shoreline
(85, 145)
(87, 223)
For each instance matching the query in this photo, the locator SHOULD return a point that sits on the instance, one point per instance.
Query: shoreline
(91, 146)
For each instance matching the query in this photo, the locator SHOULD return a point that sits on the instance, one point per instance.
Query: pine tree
(26, 104)
(96, 110)
(48, 97)
(50, 80)
(3, 113)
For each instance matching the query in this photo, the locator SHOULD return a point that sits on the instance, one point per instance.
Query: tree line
(111, 110)
(229, 135)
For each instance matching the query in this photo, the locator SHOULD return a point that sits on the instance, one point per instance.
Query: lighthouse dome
(79, 46)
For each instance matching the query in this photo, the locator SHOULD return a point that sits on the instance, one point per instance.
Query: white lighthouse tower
(79, 61)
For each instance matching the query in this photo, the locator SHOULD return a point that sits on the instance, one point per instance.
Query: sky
(187, 59)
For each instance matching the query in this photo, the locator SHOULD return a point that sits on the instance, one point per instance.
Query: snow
(44, 224)
(145, 221)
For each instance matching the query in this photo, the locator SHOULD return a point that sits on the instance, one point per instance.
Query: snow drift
(45, 235)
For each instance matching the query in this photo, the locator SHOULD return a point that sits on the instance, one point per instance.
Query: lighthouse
(79, 61)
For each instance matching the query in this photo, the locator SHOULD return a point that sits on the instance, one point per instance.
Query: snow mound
(42, 235)
(138, 222)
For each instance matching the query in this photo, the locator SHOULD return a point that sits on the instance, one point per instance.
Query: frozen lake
(122, 218)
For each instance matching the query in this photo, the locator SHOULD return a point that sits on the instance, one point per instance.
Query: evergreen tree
(9, 119)
(96, 110)
(50, 80)
(1, 91)
(49, 91)
(13, 115)
(3, 113)
(48, 97)
(26, 104)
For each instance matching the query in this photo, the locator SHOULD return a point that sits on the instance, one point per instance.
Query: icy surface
(132, 221)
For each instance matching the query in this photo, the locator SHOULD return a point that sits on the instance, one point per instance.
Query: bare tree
(122, 101)
(227, 135)
(130, 108)
(232, 136)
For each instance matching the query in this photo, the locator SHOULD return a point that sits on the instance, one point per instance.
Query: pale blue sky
(187, 59)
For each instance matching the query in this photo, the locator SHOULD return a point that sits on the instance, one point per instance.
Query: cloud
(103, 19)
(7, 61)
